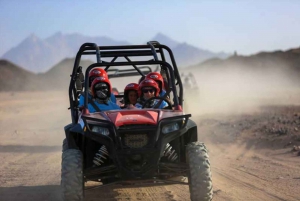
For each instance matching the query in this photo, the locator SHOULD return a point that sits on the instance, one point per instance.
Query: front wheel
(65, 145)
(71, 175)
(200, 182)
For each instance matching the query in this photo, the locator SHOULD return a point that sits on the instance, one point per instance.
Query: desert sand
(250, 153)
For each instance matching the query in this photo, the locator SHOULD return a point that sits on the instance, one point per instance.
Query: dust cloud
(241, 90)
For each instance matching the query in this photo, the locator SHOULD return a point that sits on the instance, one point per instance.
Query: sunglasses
(148, 90)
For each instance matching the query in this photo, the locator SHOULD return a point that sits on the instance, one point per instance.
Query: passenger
(130, 95)
(159, 80)
(101, 91)
(148, 88)
(95, 72)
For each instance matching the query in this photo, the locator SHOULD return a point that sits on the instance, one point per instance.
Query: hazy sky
(217, 25)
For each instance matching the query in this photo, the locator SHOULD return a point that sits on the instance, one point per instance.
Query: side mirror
(79, 82)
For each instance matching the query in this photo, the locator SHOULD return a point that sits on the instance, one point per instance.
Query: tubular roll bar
(124, 71)
(125, 51)
(153, 50)
(122, 53)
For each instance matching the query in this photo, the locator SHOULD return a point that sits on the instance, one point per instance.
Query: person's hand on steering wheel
(169, 106)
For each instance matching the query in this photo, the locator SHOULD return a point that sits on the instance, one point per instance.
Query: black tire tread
(65, 145)
(71, 175)
(200, 181)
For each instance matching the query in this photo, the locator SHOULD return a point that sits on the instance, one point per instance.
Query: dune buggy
(192, 92)
(135, 146)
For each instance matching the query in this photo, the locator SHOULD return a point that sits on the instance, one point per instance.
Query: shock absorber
(100, 156)
(170, 153)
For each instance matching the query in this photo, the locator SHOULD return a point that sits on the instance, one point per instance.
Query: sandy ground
(251, 155)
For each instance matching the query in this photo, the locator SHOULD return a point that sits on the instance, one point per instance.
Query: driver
(159, 80)
(148, 88)
(101, 91)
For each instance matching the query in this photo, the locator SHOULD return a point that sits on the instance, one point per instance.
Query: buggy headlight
(170, 128)
(100, 130)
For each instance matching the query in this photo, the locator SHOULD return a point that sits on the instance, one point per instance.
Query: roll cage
(153, 48)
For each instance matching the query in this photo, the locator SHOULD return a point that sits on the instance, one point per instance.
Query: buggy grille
(136, 140)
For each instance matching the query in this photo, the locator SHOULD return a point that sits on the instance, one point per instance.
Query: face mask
(101, 94)
(101, 91)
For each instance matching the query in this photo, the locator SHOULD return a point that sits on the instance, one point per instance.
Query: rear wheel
(71, 175)
(200, 181)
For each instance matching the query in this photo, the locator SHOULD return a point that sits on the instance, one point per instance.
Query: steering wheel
(156, 106)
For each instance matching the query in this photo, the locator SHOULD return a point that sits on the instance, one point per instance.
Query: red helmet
(96, 72)
(131, 86)
(98, 80)
(149, 83)
(158, 78)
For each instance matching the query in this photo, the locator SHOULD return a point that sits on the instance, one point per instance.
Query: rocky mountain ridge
(39, 55)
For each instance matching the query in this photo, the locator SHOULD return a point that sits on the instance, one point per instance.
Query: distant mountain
(39, 55)
(15, 78)
(278, 61)
(33, 53)
(163, 39)
(58, 77)
(186, 54)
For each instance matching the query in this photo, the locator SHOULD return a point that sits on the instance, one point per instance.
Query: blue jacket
(103, 107)
(113, 98)
(81, 99)
(162, 93)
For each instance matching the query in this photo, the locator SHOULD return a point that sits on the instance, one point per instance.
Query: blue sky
(216, 25)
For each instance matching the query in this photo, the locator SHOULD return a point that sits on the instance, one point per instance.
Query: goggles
(148, 90)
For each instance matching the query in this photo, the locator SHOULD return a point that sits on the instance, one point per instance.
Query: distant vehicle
(132, 146)
(192, 92)
(190, 83)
